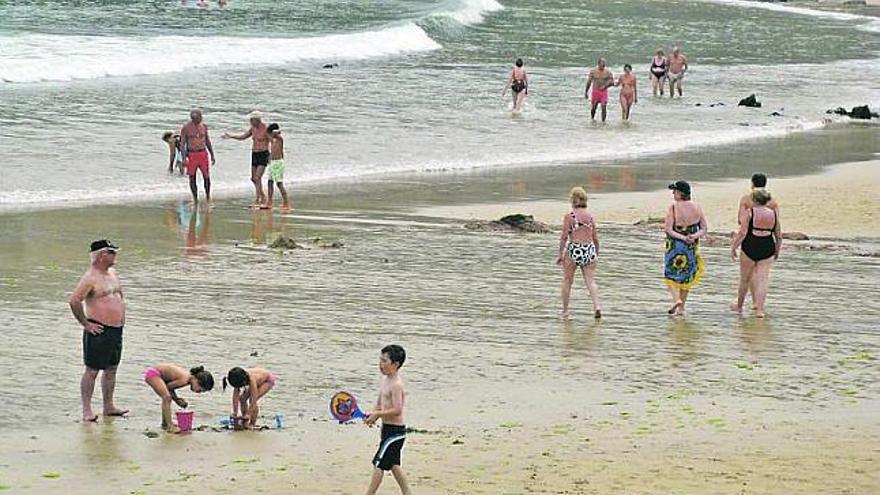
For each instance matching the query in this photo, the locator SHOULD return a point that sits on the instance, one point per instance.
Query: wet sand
(851, 192)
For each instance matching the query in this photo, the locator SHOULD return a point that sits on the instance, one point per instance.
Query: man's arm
(82, 290)
(239, 137)
(589, 82)
(209, 145)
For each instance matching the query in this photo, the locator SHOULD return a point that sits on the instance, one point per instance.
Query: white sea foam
(471, 12)
(867, 23)
(50, 57)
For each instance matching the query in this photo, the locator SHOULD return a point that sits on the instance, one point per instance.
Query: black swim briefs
(388, 455)
(103, 350)
(260, 158)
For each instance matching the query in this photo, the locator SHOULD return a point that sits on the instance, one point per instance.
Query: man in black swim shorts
(259, 154)
(98, 305)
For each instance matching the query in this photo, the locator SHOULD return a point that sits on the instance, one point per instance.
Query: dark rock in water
(795, 236)
(510, 223)
(255, 354)
(750, 101)
(331, 66)
(775, 114)
(862, 112)
(284, 243)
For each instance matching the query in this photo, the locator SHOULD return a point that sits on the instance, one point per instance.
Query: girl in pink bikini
(165, 379)
(629, 93)
(256, 382)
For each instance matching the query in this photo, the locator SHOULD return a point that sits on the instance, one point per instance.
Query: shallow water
(417, 89)
(470, 308)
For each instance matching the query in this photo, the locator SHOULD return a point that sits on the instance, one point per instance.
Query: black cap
(103, 244)
(681, 186)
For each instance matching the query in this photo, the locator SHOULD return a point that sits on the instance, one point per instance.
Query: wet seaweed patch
(51, 475)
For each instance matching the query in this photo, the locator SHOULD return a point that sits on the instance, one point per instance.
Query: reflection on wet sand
(265, 227)
(685, 339)
(757, 336)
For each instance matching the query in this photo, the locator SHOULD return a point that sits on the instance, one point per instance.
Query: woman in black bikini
(761, 239)
(579, 248)
(518, 82)
(659, 67)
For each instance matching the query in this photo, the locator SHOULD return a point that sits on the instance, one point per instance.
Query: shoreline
(854, 186)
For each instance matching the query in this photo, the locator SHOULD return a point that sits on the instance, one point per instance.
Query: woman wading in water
(579, 247)
(761, 238)
(683, 265)
(518, 83)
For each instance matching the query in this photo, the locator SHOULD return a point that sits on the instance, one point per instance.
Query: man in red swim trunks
(196, 145)
(600, 79)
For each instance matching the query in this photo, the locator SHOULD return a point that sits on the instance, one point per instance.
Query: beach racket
(344, 408)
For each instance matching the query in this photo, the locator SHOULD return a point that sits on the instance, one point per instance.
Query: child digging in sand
(256, 382)
(389, 407)
(165, 379)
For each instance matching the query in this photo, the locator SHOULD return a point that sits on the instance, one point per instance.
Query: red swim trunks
(599, 95)
(197, 160)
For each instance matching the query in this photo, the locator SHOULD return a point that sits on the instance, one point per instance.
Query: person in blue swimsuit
(683, 265)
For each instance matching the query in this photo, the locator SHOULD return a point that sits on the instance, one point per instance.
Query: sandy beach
(501, 400)
(396, 136)
(852, 190)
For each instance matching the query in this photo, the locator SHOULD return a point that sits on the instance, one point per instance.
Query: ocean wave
(868, 23)
(18, 200)
(31, 57)
(470, 12)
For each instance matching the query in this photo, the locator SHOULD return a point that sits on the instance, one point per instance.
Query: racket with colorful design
(344, 408)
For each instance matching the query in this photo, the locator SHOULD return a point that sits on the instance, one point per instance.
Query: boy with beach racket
(389, 407)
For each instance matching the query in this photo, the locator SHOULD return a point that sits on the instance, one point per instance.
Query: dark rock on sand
(750, 101)
(795, 236)
(650, 221)
(283, 242)
(510, 223)
(838, 111)
(775, 114)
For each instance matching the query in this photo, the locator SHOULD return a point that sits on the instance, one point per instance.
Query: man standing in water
(678, 65)
(98, 305)
(259, 153)
(600, 79)
(196, 145)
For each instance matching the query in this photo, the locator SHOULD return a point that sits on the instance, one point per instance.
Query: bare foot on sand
(736, 307)
(115, 411)
(598, 314)
(676, 308)
(565, 314)
(89, 417)
(759, 314)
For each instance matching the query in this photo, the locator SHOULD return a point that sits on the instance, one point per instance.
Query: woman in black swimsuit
(518, 83)
(760, 247)
(659, 67)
